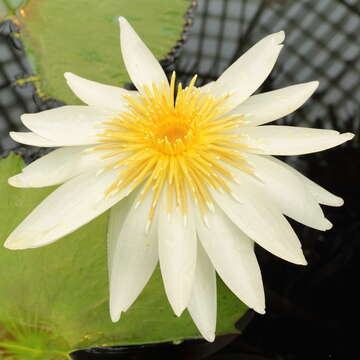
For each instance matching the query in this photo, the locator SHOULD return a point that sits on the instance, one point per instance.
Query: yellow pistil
(181, 144)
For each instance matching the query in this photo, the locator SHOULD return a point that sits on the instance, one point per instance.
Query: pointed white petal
(140, 63)
(288, 191)
(232, 254)
(134, 254)
(177, 253)
(118, 214)
(246, 74)
(269, 106)
(290, 140)
(320, 194)
(202, 304)
(29, 138)
(56, 167)
(68, 125)
(260, 219)
(70, 206)
(97, 94)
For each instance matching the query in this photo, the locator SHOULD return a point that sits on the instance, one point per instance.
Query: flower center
(182, 146)
(172, 131)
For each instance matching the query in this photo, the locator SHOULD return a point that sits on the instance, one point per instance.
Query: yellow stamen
(180, 145)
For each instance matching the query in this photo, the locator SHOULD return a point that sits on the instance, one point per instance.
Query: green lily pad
(54, 300)
(83, 37)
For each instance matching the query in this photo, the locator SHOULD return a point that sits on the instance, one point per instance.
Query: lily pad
(54, 300)
(83, 37)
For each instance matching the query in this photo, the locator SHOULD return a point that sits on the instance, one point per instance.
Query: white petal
(68, 125)
(232, 254)
(202, 304)
(140, 63)
(134, 255)
(70, 206)
(269, 106)
(118, 214)
(207, 87)
(290, 140)
(261, 220)
(320, 194)
(97, 94)
(288, 191)
(29, 138)
(177, 253)
(56, 167)
(247, 73)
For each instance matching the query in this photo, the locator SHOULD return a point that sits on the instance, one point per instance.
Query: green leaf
(82, 37)
(56, 297)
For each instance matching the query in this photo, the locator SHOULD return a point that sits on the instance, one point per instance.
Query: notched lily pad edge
(40, 96)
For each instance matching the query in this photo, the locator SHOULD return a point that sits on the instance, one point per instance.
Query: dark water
(312, 312)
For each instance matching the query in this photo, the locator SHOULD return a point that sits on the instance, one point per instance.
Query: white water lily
(188, 174)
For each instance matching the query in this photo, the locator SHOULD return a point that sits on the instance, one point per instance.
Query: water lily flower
(187, 172)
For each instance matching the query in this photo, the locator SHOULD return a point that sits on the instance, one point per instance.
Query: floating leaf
(82, 37)
(54, 299)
